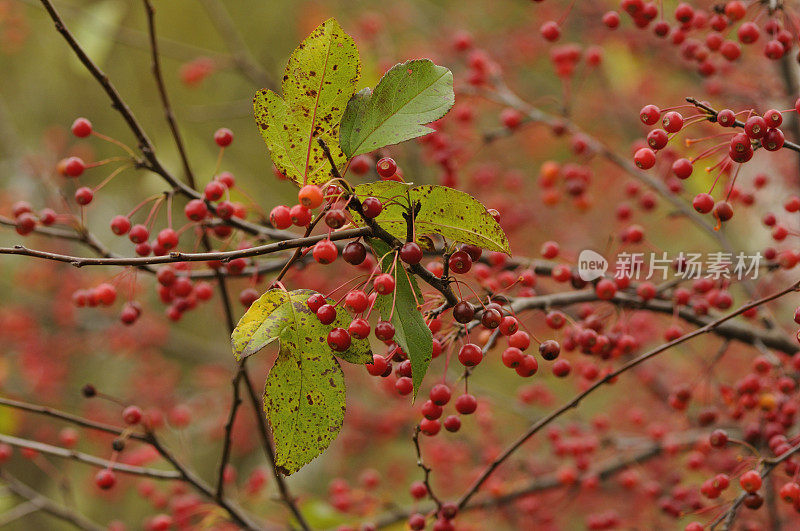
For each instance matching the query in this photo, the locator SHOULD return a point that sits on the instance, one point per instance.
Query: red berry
(649, 114)
(750, 481)
(335, 219)
(411, 253)
(452, 423)
(339, 339)
(81, 127)
(386, 167)
(301, 216)
(371, 207)
(672, 122)
(384, 330)
(223, 137)
(562, 368)
(440, 394)
(429, 427)
(280, 217)
(139, 234)
(755, 127)
(168, 239)
(470, 355)
(460, 262)
(315, 302)
(703, 203)
(723, 211)
(359, 328)
(550, 31)
(214, 190)
(132, 415)
(25, 223)
(357, 301)
(611, 19)
(463, 312)
(73, 167)
(645, 158)
(384, 284)
(549, 349)
(195, 210)
(378, 366)
(310, 196)
(527, 367)
(325, 252)
(227, 179)
(121, 225)
(84, 195)
(326, 314)
(466, 404)
(354, 253)
(682, 168)
(105, 479)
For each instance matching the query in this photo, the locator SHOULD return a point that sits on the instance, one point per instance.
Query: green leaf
(276, 311)
(411, 332)
(318, 82)
(304, 396)
(408, 96)
(451, 213)
(304, 399)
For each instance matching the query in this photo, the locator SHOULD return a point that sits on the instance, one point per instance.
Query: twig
(235, 512)
(47, 505)
(537, 426)
(88, 459)
(177, 256)
(68, 417)
(263, 432)
(426, 469)
(162, 91)
(228, 437)
(242, 57)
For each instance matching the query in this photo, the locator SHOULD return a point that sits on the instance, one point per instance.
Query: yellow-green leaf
(451, 213)
(318, 82)
(276, 311)
(304, 399)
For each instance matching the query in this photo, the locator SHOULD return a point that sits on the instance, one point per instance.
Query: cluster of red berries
(180, 294)
(757, 131)
(689, 19)
(26, 220)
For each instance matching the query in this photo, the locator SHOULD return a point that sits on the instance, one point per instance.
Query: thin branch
(68, 417)
(425, 468)
(604, 471)
(228, 437)
(88, 459)
(712, 114)
(162, 91)
(544, 421)
(235, 512)
(264, 432)
(151, 162)
(242, 56)
(177, 256)
(47, 505)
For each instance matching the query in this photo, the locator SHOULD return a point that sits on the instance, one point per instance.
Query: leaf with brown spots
(454, 214)
(318, 82)
(304, 400)
(304, 396)
(276, 310)
(407, 97)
